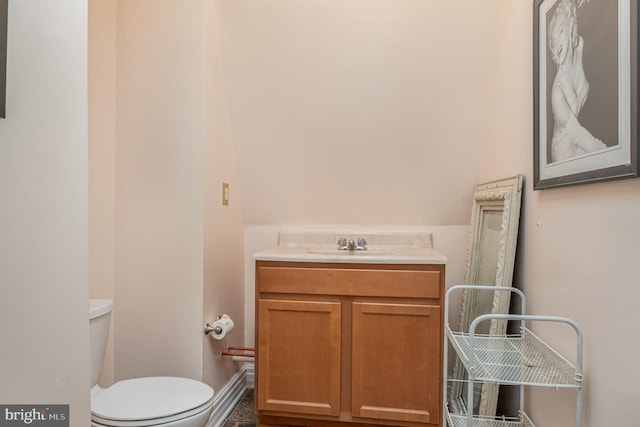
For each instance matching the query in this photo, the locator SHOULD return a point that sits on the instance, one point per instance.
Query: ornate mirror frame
(495, 216)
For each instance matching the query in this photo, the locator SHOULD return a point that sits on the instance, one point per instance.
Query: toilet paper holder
(220, 327)
(208, 328)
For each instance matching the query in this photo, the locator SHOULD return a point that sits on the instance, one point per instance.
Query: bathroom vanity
(350, 338)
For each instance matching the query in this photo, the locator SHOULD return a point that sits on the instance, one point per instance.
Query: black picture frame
(4, 4)
(606, 49)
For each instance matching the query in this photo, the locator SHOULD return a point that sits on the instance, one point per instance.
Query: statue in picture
(570, 86)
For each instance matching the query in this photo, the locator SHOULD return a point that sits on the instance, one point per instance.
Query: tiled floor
(242, 415)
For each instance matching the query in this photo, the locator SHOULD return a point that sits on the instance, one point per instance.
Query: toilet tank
(99, 322)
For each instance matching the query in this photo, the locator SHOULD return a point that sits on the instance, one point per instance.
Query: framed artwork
(585, 89)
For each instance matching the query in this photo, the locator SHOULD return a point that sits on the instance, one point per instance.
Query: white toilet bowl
(170, 401)
(142, 402)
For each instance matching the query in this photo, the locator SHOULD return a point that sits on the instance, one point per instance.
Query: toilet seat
(150, 401)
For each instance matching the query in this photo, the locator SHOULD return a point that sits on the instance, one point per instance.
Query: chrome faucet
(351, 245)
(343, 245)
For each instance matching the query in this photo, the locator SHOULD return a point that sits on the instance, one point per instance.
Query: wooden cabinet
(396, 362)
(299, 346)
(348, 343)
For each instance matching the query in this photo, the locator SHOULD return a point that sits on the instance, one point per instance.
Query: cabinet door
(299, 356)
(396, 362)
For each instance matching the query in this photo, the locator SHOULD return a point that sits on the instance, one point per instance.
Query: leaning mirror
(495, 216)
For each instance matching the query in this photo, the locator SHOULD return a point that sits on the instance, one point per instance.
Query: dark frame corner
(3, 56)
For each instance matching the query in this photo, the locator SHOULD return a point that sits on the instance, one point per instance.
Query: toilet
(141, 402)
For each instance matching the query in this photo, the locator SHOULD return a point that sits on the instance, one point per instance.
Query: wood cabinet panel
(298, 365)
(349, 281)
(396, 362)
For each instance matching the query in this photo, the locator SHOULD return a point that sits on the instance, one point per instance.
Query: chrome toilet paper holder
(222, 326)
(208, 328)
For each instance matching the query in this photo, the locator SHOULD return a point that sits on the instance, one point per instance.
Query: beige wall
(357, 113)
(102, 144)
(339, 115)
(343, 114)
(162, 246)
(43, 219)
(158, 190)
(390, 114)
(578, 253)
(223, 228)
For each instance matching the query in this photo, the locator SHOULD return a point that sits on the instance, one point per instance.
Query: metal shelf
(521, 359)
(461, 420)
(515, 359)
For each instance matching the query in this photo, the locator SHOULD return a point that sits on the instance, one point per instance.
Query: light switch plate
(225, 194)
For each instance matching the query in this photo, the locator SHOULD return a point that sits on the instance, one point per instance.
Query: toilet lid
(152, 398)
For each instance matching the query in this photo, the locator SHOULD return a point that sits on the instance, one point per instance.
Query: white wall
(578, 253)
(43, 220)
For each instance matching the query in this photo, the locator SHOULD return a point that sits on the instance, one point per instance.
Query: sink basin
(383, 247)
(374, 252)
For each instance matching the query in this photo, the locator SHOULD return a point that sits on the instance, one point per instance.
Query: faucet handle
(342, 242)
(362, 242)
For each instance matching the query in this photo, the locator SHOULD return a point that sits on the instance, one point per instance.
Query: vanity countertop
(382, 248)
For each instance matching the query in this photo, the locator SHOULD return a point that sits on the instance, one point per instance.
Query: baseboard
(227, 398)
(250, 375)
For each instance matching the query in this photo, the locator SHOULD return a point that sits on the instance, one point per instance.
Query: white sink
(391, 247)
(338, 252)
